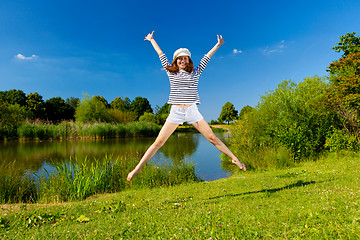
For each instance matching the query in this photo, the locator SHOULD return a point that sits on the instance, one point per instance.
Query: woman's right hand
(149, 36)
(151, 39)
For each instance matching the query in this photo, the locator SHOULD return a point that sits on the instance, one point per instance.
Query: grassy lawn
(315, 200)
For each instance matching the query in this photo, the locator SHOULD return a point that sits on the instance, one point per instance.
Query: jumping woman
(183, 98)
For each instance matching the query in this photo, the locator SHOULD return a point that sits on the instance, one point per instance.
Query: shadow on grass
(299, 183)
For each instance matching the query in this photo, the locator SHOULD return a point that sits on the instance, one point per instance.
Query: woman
(184, 98)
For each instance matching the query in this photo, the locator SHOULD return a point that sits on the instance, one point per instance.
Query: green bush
(117, 116)
(293, 117)
(263, 158)
(11, 117)
(147, 117)
(340, 140)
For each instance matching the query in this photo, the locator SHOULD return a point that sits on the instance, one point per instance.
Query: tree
(345, 80)
(14, 97)
(344, 95)
(56, 109)
(101, 99)
(11, 116)
(73, 102)
(162, 113)
(121, 104)
(228, 113)
(95, 110)
(139, 106)
(349, 44)
(214, 122)
(91, 110)
(35, 103)
(245, 110)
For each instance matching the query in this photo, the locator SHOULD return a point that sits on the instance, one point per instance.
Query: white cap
(181, 52)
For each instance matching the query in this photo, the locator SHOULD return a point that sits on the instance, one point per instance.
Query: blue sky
(68, 48)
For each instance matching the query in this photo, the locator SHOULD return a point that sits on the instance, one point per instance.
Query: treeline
(18, 109)
(298, 121)
(229, 114)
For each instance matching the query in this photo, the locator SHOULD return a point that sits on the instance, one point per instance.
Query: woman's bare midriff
(183, 105)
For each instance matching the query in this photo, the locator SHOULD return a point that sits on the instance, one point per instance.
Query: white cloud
(22, 57)
(235, 51)
(278, 48)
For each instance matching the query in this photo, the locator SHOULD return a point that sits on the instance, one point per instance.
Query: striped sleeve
(203, 62)
(164, 61)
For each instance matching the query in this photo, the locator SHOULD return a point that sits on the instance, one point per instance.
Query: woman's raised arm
(151, 39)
(216, 47)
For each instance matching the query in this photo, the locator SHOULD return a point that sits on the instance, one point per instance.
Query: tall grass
(71, 130)
(263, 158)
(15, 186)
(166, 175)
(74, 180)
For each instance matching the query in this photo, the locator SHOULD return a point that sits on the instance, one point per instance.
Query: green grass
(314, 200)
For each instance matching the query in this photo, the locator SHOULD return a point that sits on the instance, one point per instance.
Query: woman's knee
(158, 143)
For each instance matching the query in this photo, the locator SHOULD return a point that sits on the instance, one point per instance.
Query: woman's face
(182, 62)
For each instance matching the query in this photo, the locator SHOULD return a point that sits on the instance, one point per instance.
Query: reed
(78, 179)
(16, 186)
(71, 130)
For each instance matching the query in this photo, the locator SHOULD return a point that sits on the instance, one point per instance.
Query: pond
(180, 147)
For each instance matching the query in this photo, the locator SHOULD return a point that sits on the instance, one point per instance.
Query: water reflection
(180, 147)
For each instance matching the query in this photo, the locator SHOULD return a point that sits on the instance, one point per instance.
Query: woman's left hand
(220, 40)
(216, 47)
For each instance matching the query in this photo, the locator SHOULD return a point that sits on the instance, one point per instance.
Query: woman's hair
(173, 68)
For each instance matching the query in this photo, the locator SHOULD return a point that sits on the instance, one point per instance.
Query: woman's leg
(205, 130)
(164, 134)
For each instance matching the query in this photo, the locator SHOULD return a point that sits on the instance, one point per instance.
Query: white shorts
(180, 115)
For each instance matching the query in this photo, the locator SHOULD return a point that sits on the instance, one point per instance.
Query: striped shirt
(184, 85)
